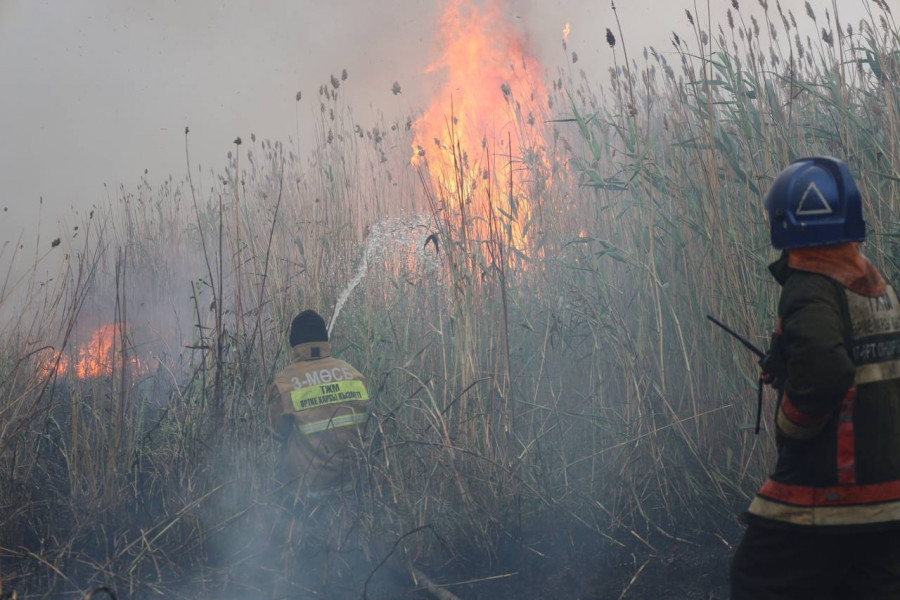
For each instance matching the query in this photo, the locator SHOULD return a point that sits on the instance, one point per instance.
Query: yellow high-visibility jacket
(319, 406)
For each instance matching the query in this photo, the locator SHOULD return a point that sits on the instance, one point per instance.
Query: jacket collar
(311, 351)
(842, 262)
(779, 268)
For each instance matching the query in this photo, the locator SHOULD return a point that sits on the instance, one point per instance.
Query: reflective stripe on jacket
(838, 418)
(320, 404)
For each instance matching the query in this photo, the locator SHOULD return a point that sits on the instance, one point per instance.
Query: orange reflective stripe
(846, 440)
(804, 495)
(800, 418)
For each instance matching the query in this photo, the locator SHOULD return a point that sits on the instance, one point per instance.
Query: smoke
(95, 93)
(107, 96)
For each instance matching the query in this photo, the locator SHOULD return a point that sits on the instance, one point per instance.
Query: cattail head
(610, 38)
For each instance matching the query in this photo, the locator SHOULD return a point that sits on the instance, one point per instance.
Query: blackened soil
(547, 565)
(692, 567)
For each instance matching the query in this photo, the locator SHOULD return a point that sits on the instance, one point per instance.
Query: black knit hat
(308, 326)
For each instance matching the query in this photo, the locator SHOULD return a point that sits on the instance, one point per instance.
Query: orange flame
(96, 358)
(485, 126)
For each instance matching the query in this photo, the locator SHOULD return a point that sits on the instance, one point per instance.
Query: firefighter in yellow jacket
(318, 406)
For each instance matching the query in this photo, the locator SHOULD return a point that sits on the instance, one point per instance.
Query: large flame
(99, 357)
(485, 128)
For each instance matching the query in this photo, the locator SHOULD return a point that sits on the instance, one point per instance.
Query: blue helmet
(815, 202)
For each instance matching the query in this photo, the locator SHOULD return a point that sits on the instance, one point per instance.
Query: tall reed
(570, 379)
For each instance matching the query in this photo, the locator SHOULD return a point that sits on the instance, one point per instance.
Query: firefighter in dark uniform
(318, 407)
(826, 524)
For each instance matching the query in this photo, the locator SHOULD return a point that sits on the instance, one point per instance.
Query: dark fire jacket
(319, 404)
(838, 416)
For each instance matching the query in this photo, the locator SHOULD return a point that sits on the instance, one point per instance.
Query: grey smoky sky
(94, 92)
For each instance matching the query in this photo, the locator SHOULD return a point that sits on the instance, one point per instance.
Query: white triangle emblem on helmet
(818, 204)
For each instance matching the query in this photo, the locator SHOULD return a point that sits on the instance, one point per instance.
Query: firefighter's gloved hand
(772, 365)
(284, 427)
(770, 379)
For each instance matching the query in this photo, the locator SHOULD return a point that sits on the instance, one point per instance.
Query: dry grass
(574, 382)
